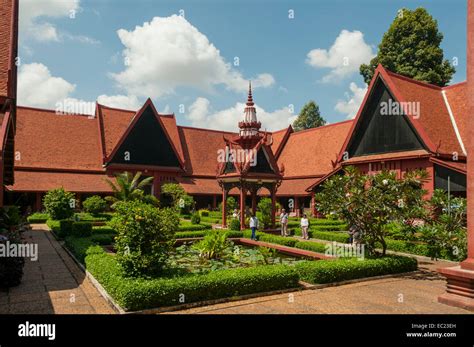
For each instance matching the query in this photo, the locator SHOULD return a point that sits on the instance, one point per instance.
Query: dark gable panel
(377, 133)
(147, 144)
(263, 166)
(457, 180)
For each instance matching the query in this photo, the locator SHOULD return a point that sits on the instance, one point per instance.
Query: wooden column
(313, 205)
(156, 185)
(460, 279)
(297, 206)
(273, 193)
(243, 194)
(214, 201)
(224, 207)
(254, 201)
(38, 202)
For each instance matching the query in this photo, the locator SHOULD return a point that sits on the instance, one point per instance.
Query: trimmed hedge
(78, 246)
(38, 217)
(194, 227)
(280, 240)
(103, 239)
(407, 247)
(138, 293)
(338, 227)
(327, 271)
(311, 246)
(103, 229)
(325, 235)
(82, 229)
(193, 234)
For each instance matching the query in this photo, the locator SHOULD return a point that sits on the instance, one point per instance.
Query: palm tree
(128, 188)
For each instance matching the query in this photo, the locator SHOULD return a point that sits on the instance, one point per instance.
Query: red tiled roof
(45, 139)
(387, 156)
(200, 185)
(458, 99)
(8, 44)
(434, 117)
(115, 122)
(310, 152)
(39, 181)
(295, 187)
(200, 147)
(454, 165)
(279, 140)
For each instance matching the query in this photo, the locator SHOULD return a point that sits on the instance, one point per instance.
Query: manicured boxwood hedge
(327, 271)
(38, 217)
(103, 229)
(192, 234)
(311, 246)
(81, 229)
(137, 294)
(264, 237)
(325, 235)
(194, 227)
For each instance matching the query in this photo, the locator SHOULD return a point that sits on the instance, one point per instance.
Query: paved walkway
(414, 293)
(53, 283)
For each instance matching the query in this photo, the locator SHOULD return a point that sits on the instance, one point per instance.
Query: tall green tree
(309, 117)
(411, 47)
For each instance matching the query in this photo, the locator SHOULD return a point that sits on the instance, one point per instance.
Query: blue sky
(186, 65)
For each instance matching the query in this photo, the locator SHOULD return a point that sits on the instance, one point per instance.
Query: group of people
(304, 224)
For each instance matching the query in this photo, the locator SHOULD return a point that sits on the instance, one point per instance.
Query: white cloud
(201, 115)
(33, 14)
(354, 99)
(168, 52)
(37, 87)
(344, 57)
(127, 102)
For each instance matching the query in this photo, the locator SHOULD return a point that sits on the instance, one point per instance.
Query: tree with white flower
(370, 202)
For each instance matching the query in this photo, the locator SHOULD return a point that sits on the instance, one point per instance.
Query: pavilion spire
(250, 127)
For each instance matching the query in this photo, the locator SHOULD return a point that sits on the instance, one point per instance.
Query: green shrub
(326, 235)
(81, 229)
(408, 247)
(138, 294)
(103, 239)
(38, 217)
(78, 246)
(103, 229)
(189, 234)
(194, 227)
(234, 234)
(195, 218)
(11, 268)
(311, 246)
(213, 245)
(59, 204)
(335, 227)
(234, 224)
(94, 205)
(204, 213)
(145, 235)
(328, 271)
(264, 237)
(61, 228)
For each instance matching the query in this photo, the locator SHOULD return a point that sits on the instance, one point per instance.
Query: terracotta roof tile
(434, 117)
(200, 185)
(295, 187)
(37, 181)
(45, 139)
(387, 156)
(115, 123)
(200, 147)
(8, 44)
(457, 99)
(310, 152)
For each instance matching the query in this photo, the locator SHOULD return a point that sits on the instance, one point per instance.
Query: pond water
(188, 258)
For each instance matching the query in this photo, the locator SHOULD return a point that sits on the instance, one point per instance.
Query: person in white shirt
(304, 227)
(284, 223)
(253, 226)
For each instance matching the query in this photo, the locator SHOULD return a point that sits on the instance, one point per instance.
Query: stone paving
(413, 293)
(52, 284)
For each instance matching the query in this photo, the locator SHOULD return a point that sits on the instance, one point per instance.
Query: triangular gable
(261, 164)
(146, 142)
(409, 133)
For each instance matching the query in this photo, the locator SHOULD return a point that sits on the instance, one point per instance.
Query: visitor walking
(304, 227)
(253, 226)
(284, 223)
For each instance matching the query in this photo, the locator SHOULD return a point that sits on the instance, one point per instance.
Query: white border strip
(453, 121)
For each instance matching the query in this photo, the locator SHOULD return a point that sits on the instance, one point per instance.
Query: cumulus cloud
(33, 14)
(37, 87)
(354, 99)
(201, 115)
(127, 102)
(169, 52)
(343, 58)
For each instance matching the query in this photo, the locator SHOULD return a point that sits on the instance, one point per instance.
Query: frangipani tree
(370, 202)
